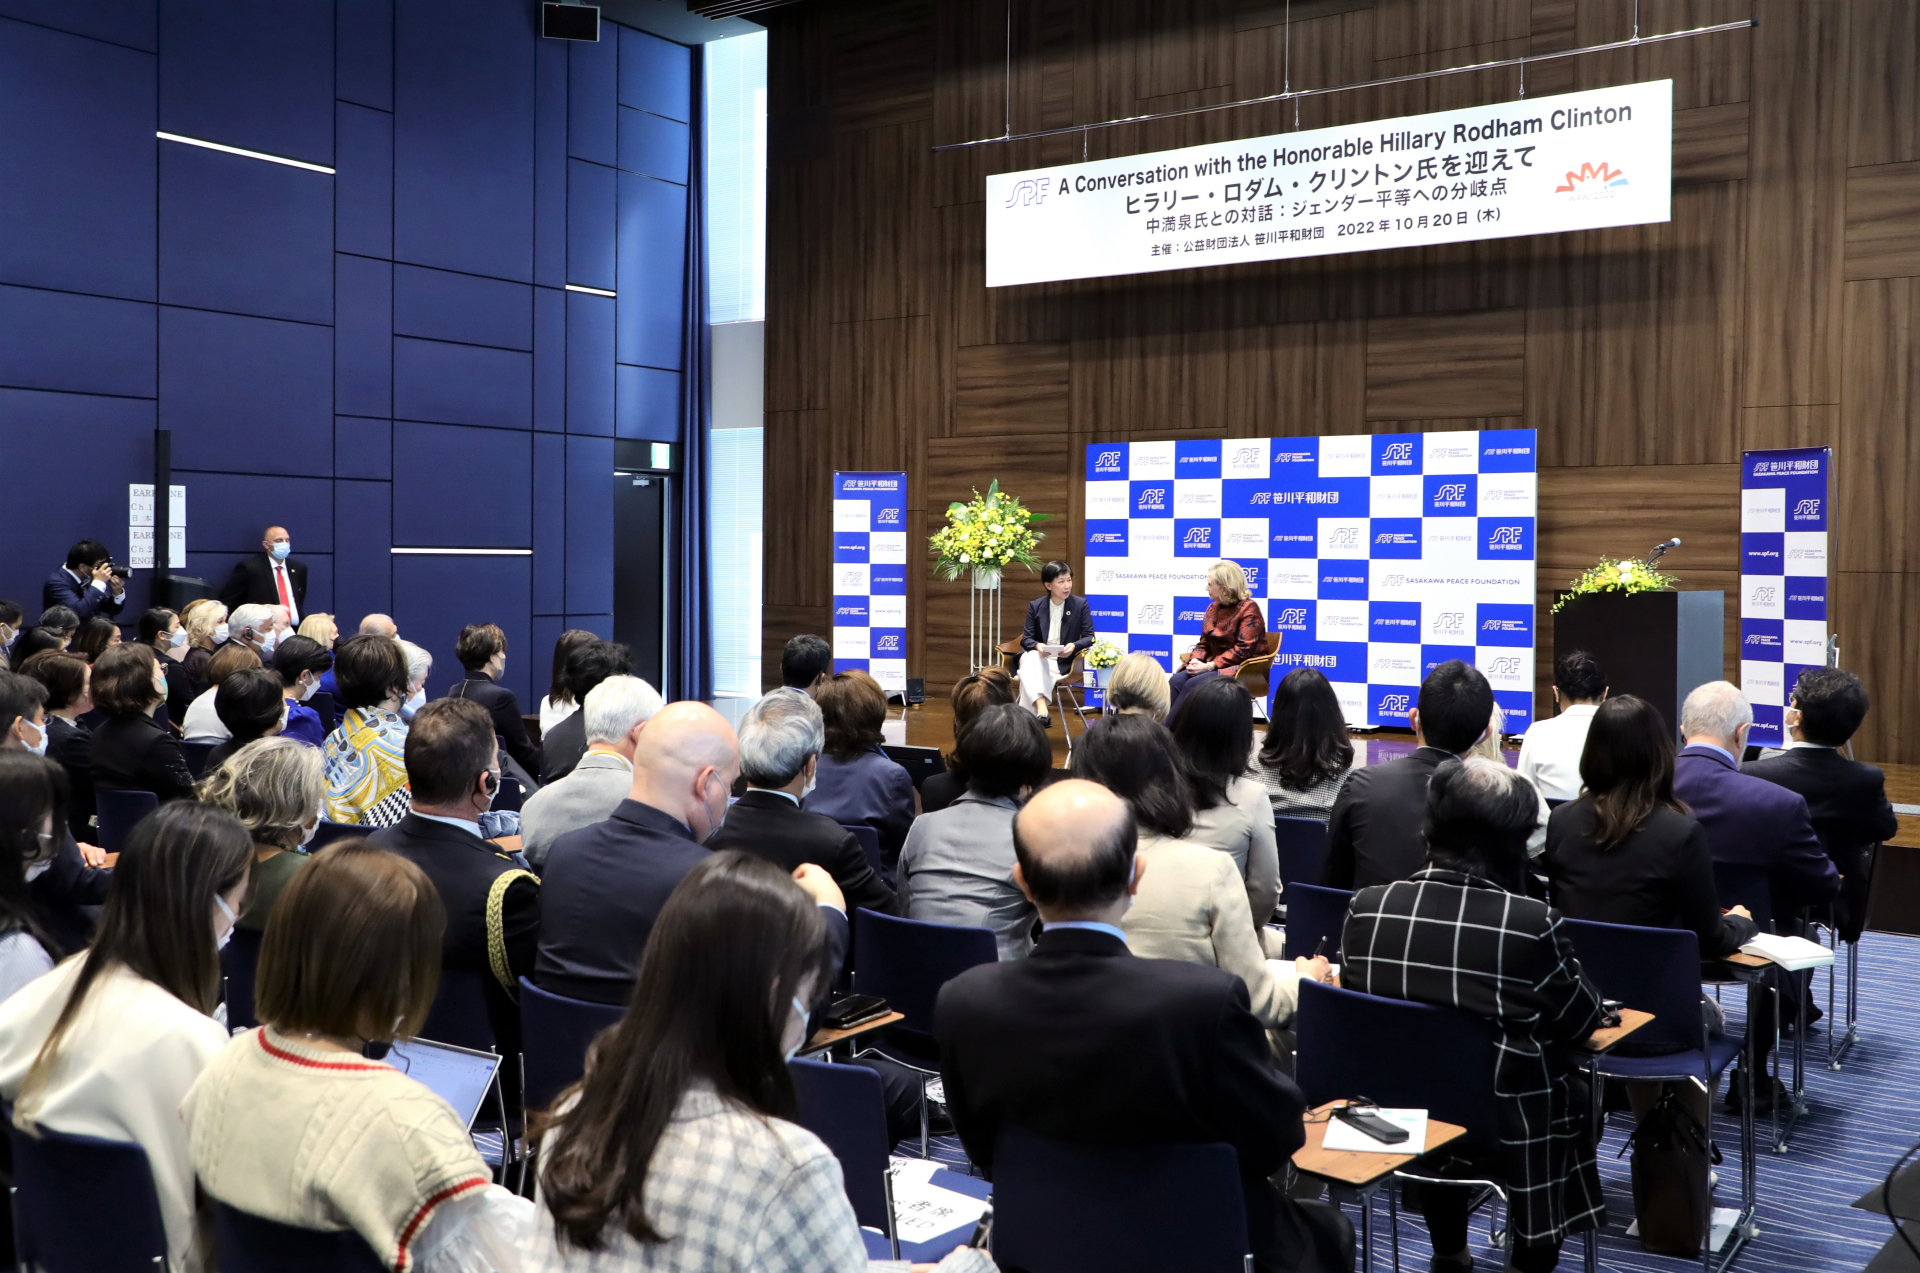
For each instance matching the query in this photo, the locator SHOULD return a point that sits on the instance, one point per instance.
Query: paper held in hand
(1791, 953)
(1353, 1140)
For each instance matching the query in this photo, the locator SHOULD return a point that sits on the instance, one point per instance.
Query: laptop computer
(461, 1077)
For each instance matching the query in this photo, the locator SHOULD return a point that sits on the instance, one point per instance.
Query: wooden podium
(1654, 645)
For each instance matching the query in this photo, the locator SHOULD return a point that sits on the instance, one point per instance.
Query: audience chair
(510, 797)
(1752, 888)
(1315, 913)
(196, 756)
(55, 1232)
(119, 811)
(555, 1034)
(1254, 674)
(329, 711)
(869, 839)
(1303, 851)
(844, 1107)
(1840, 1040)
(1064, 1208)
(327, 832)
(1748, 886)
(252, 1244)
(238, 964)
(921, 763)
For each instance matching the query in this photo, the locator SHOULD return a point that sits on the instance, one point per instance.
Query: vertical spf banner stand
(870, 576)
(1784, 501)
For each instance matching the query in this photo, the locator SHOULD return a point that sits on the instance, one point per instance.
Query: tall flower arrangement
(1623, 576)
(987, 533)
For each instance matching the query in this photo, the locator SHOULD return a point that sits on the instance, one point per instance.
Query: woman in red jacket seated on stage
(1233, 631)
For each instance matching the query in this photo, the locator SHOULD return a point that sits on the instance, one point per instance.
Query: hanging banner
(1541, 165)
(870, 576)
(1784, 498)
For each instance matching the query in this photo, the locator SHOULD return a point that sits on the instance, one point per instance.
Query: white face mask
(800, 1009)
(309, 690)
(39, 748)
(220, 633)
(220, 943)
(415, 701)
(267, 643)
(307, 833)
(813, 780)
(177, 639)
(38, 869)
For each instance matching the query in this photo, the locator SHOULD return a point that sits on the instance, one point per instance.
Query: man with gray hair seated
(615, 712)
(780, 741)
(258, 627)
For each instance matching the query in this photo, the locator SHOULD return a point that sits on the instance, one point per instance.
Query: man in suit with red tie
(270, 577)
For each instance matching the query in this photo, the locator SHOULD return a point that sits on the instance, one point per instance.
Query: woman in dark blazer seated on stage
(1059, 626)
(857, 784)
(1233, 630)
(131, 750)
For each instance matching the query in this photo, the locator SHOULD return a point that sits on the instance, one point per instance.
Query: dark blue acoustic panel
(546, 630)
(246, 395)
(245, 236)
(649, 405)
(549, 523)
(463, 136)
(589, 525)
(601, 625)
(549, 359)
(653, 146)
(590, 388)
(363, 514)
(363, 186)
(362, 448)
(442, 305)
(434, 597)
(252, 75)
(319, 584)
(228, 512)
(80, 344)
(590, 205)
(592, 72)
(363, 52)
(656, 75)
(462, 384)
(48, 434)
(550, 165)
(363, 336)
(457, 487)
(76, 162)
(129, 22)
(653, 243)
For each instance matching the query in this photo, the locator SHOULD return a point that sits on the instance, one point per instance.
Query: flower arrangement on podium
(985, 535)
(1623, 576)
(1101, 657)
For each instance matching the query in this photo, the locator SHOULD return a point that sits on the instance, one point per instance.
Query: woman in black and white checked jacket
(1462, 934)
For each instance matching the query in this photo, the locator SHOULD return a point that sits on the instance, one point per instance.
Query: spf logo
(1504, 537)
(852, 579)
(850, 611)
(1150, 614)
(1390, 703)
(1153, 497)
(889, 516)
(1763, 595)
(1107, 462)
(1293, 617)
(1199, 537)
(1025, 193)
(1260, 497)
(1450, 493)
(1807, 508)
(889, 645)
(1394, 581)
(1343, 536)
(1397, 453)
(1450, 621)
(1246, 456)
(1503, 667)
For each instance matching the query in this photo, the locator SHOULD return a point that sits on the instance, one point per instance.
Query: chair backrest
(327, 832)
(869, 845)
(1303, 850)
(1354, 1044)
(239, 962)
(326, 708)
(119, 811)
(510, 797)
(1064, 1208)
(1314, 913)
(906, 961)
(55, 1232)
(1655, 970)
(921, 763)
(555, 1033)
(844, 1107)
(1748, 886)
(196, 756)
(459, 1012)
(253, 1244)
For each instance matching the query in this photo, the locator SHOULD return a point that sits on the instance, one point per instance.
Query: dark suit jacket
(1076, 626)
(1373, 833)
(870, 789)
(1658, 877)
(66, 899)
(504, 708)
(767, 824)
(1752, 822)
(562, 747)
(1847, 800)
(71, 746)
(251, 583)
(466, 870)
(1081, 1041)
(137, 753)
(83, 599)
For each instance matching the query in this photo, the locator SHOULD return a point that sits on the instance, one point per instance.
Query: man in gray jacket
(615, 712)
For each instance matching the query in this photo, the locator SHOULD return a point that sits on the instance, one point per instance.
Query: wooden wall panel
(1446, 365)
(1012, 388)
(1883, 221)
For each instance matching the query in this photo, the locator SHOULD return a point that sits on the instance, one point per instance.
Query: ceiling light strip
(249, 154)
(461, 552)
(592, 291)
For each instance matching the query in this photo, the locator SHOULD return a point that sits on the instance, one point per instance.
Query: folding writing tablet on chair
(461, 1077)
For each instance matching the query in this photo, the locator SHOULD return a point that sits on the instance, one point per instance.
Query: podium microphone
(1660, 550)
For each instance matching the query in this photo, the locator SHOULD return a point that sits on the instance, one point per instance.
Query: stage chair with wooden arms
(1255, 673)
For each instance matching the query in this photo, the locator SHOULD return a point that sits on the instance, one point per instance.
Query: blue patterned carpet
(1862, 1118)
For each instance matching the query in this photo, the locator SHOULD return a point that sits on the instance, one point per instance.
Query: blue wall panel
(549, 523)
(363, 186)
(463, 136)
(434, 597)
(319, 583)
(590, 383)
(81, 344)
(246, 395)
(592, 76)
(441, 305)
(649, 404)
(363, 336)
(227, 512)
(245, 236)
(590, 210)
(653, 146)
(550, 165)
(462, 384)
(362, 448)
(656, 75)
(130, 22)
(546, 629)
(363, 52)
(76, 163)
(458, 487)
(364, 513)
(252, 75)
(601, 625)
(589, 525)
(653, 248)
(549, 359)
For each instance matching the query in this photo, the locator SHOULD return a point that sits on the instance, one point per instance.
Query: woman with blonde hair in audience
(1138, 686)
(277, 787)
(972, 694)
(206, 623)
(108, 1043)
(856, 783)
(321, 628)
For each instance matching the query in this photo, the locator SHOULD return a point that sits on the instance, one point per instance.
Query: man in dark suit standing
(1846, 799)
(1083, 1042)
(270, 577)
(86, 585)
(1059, 626)
(492, 903)
(586, 666)
(604, 885)
(780, 742)
(1373, 833)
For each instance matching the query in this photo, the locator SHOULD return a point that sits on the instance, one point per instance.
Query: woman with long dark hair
(1214, 728)
(33, 817)
(1306, 757)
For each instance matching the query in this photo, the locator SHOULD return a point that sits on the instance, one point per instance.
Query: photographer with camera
(89, 584)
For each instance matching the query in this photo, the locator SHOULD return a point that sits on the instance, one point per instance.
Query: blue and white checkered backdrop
(870, 576)
(1374, 557)
(1783, 576)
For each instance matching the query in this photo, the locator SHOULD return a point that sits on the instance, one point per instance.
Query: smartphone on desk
(853, 1010)
(1359, 1116)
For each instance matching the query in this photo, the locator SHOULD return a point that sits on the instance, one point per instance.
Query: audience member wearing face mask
(33, 798)
(858, 784)
(300, 662)
(66, 896)
(617, 709)
(258, 627)
(275, 786)
(419, 668)
(131, 750)
(202, 723)
(68, 682)
(482, 651)
(12, 619)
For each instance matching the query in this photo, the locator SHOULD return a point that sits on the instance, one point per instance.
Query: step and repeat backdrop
(1784, 498)
(870, 576)
(1374, 557)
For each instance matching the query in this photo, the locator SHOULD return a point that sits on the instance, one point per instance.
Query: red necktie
(280, 579)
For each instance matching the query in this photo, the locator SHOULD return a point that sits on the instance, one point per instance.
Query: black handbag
(1671, 1197)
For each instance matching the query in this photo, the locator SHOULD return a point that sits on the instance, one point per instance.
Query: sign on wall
(1576, 161)
(140, 519)
(870, 576)
(1784, 498)
(1374, 558)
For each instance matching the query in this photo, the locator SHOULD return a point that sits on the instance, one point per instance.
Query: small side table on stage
(1362, 1174)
